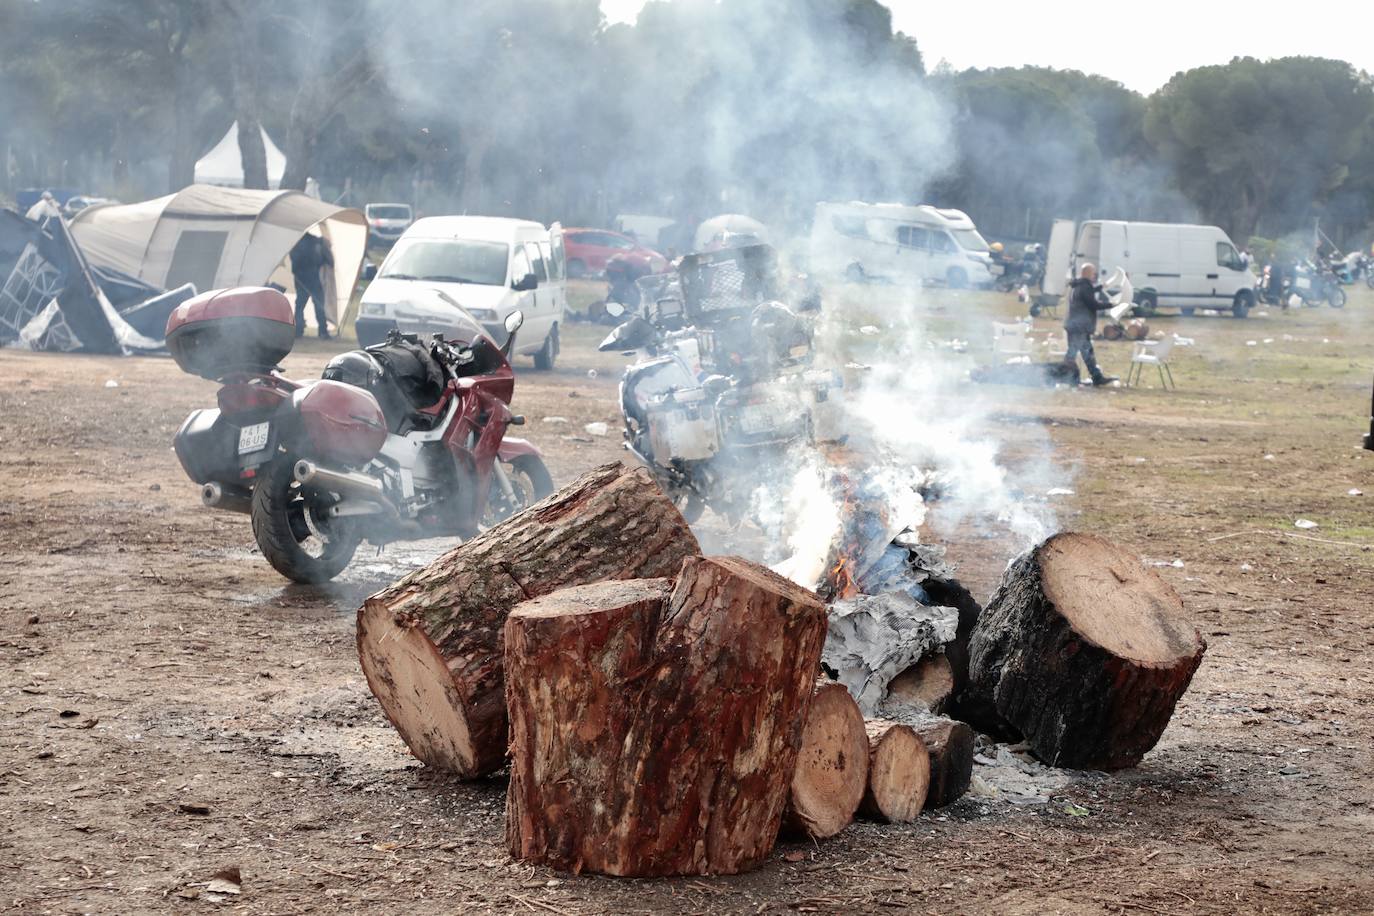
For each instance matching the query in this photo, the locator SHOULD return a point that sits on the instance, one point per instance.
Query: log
(832, 769)
(1084, 652)
(950, 746)
(898, 773)
(430, 644)
(872, 638)
(928, 684)
(656, 737)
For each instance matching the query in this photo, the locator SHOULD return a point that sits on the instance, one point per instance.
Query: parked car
(1170, 265)
(489, 266)
(588, 250)
(900, 244)
(387, 222)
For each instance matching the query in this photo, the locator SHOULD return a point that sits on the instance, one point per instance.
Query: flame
(840, 583)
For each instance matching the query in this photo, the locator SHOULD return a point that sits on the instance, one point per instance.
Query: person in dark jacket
(308, 257)
(1081, 324)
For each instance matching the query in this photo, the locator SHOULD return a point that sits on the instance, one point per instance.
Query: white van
(489, 265)
(899, 243)
(1170, 265)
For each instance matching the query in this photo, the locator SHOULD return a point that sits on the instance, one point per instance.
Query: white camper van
(899, 243)
(488, 265)
(1170, 265)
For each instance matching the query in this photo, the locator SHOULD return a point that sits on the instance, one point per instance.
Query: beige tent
(216, 237)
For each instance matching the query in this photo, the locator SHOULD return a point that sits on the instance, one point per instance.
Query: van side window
(519, 264)
(913, 237)
(537, 260)
(1227, 257)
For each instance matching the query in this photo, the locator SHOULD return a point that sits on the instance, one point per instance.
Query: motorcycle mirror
(514, 320)
(615, 309)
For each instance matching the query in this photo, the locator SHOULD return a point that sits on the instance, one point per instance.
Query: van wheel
(956, 278)
(548, 354)
(577, 269)
(1146, 304)
(1188, 311)
(1244, 302)
(854, 273)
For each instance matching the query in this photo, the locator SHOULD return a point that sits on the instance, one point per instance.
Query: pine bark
(832, 769)
(898, 773)
(654, 733)
(1083, 652)
(431, 644)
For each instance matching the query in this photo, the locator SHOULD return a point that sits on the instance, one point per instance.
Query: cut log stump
(898, 773)
(658, 736)
(1084, 652)
(832, 769)
(950, 746)
(430, 645)
(928, 684)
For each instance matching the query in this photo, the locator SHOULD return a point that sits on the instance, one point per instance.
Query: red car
(588, 249)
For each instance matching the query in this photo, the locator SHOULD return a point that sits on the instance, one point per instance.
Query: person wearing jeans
(1081, 324)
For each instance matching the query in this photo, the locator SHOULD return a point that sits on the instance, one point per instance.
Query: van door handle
(1212, 276)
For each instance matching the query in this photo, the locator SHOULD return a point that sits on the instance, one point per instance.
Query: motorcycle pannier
(683, 428)
(225, 332)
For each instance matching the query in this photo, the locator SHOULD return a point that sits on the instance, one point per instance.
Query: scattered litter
(1075, 810)
(1246, 567)
(1354, 492)
(1183, 341)
(1264, 314)
(1305, 524)
(555, 419)
(1268, 457)
(111, 383)
(1268, 340)
(226, 881)
(591, 373)
(597, 428)
(1326, 340)
(1058, 491)
(869, 330)
(1176, 564)
(1252, 343)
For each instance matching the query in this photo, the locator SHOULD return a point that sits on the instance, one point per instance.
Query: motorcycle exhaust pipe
(355, 486)
(232, 499)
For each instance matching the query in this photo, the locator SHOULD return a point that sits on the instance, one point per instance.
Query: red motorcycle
(400, 441)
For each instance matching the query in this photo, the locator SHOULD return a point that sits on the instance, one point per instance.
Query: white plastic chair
(1010, 340)
(1152, 353)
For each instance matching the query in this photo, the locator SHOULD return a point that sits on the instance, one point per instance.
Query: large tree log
(898, 772)
(928, 684)
(1084, 652)
(652, 738)
(430, 644)
(832, 769)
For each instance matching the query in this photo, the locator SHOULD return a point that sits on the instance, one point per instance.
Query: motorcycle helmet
(996, 247)
(356, 367)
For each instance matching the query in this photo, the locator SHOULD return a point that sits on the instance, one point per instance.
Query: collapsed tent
(52, 299)
(223, 165)
(218, 237)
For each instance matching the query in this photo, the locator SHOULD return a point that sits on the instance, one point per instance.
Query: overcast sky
(1142, 48)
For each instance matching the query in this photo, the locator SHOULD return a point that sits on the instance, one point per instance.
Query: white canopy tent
(223, 165)
(218, 237)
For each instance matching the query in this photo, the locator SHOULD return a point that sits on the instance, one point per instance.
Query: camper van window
(448, 261)
(852, 226)
(913, 237)
(537, 259)
(970, 240)
(1227, 257)
(942, 243)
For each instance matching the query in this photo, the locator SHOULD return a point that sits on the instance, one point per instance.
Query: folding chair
(1152, 353)
(1010, 340)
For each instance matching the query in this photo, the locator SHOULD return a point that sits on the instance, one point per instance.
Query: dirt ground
(170, 707)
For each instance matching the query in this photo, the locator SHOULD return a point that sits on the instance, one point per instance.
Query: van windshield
(969, 239)
(448, 261)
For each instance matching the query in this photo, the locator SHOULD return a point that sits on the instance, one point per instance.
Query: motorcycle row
(1314, 282)
(407, 439)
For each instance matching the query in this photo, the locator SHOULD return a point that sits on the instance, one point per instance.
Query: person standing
(1081, 323)
(308, 257)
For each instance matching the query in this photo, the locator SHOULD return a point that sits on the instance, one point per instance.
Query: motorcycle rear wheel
(1335, 297)
(293, 536)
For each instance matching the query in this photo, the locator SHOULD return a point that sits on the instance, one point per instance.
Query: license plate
(757, 418)
(253, 438)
